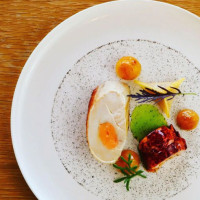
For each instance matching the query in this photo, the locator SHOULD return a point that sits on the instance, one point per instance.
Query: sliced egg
(107, 121)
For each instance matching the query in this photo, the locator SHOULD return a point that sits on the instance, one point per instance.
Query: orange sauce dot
(108, 135)
(128, 68)
(187, 119)
(134, 157)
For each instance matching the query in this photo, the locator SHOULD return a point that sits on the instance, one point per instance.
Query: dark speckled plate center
(159, 64)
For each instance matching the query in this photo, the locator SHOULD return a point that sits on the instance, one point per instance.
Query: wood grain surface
(23, 23)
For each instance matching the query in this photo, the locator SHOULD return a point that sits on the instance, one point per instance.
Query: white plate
(55, 55)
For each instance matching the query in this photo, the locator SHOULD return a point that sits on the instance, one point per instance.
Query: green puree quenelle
(144, 119)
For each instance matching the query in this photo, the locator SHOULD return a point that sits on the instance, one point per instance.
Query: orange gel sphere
(187, 119)
(108, 135)
(134, 157)
(128, 68)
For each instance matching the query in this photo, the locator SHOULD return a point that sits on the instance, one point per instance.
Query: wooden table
(23, 23)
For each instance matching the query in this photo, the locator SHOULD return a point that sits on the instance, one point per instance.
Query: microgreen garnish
(128, 171)
(149, 95)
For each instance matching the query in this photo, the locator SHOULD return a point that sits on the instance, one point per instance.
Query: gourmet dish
(108, 122)
(125, 119)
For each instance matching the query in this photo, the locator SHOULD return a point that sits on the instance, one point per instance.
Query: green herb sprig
(128, 171)
(149, 95)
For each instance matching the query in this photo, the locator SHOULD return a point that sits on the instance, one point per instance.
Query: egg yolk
(128, 68)
(108, 135)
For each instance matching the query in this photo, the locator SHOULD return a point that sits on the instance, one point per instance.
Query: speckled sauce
(68, 124)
